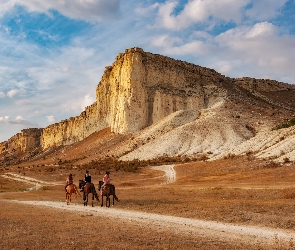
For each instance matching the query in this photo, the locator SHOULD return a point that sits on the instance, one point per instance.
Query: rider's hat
(107, 172)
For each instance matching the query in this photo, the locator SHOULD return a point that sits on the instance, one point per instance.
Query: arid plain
(231, 203)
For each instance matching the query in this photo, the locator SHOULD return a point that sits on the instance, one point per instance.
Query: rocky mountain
(149, 105)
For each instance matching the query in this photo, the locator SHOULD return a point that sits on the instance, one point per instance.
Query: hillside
(148, 106)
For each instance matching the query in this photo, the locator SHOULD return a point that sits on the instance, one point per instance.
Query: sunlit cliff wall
(26, 140)
(137, 90)
(71, 130)
(141, 88)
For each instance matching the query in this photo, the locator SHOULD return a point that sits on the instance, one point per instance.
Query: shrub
(285, 125)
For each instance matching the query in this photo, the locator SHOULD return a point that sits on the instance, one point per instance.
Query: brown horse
(71, 189)
(107, 191)
(87, 189)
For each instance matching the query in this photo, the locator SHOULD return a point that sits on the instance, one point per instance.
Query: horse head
(81, 182)
(100, 183)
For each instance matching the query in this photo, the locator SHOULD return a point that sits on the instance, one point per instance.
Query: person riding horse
(69, 181)
(107, 181)
(87, 178)
(87, 187)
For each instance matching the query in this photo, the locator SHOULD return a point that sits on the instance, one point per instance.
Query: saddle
(111, 189)
(108, 188)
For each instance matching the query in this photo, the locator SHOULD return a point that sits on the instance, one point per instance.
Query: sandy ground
(182, 226)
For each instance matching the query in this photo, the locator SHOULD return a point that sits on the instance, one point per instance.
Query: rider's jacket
(87, 178)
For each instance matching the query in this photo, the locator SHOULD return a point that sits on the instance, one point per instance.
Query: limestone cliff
(71, 130)
(138, 90)
(141, 88)
(26, 140)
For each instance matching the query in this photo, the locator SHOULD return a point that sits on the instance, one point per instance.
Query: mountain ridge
(141, 91)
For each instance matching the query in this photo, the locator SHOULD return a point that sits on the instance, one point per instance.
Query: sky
(53, 53)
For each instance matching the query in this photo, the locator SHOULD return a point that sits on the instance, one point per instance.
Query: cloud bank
(87, 10)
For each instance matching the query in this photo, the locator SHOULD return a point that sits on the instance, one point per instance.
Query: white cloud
(261, 48)
(4, 118)
(50, 119)
(225, 68)
(259, 11)
(147, 10)
(87, 10)
(258, 51)
(261, 29)
(210, 13)
(165, 41)
(19, 120)
(200, 11)
(2, 94)
(88, 100)
(12, 93)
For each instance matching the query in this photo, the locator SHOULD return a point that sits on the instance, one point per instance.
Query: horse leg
(101, 200)
(108, 201)
(84, 199)
(92, 199)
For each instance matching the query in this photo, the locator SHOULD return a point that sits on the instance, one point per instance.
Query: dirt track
(178, 225)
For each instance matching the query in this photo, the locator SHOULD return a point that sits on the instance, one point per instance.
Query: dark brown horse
(71, 189)
(88, 189)
(107, 191)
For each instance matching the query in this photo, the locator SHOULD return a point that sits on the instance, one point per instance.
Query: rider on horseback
(107, 180)
(69, 181)
(87, 178)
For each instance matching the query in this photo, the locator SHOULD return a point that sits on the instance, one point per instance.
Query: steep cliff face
(71, 130)
(26, 140)
(140, 89)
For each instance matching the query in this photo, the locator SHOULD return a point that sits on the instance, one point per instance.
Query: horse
(87, 189)
(107, 191)
(71, 189)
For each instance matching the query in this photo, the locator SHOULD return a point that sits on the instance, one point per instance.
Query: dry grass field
(238, 191)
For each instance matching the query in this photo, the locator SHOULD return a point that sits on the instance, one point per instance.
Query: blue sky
(53, 53)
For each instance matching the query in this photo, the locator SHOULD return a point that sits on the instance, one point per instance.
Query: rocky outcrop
(71, 130)
(262, 85)
(26, 140)
(140, 89)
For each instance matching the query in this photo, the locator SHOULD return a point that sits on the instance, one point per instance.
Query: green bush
(285, 125)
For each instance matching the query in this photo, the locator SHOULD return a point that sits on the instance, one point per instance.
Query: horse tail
(94, 192)
(113, 191)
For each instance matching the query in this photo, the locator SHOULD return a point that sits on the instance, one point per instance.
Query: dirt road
(222, 231)
(179, 225)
